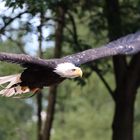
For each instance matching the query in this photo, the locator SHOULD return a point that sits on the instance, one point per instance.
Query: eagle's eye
(73, 69)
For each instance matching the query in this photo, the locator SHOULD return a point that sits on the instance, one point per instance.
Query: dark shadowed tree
(127, 77)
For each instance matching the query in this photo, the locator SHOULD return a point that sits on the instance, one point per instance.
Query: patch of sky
(30, 39)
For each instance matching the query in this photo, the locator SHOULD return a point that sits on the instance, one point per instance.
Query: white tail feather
(6, 79)
(11, 90)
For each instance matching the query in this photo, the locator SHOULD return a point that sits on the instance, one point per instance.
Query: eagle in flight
(39, 72)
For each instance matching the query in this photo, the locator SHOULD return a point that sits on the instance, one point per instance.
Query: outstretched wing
(125, 45)
(27, 61)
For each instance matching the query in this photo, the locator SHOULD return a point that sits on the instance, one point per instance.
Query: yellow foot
(34, 90)
(24, 88)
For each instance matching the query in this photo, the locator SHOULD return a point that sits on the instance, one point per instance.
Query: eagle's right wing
(126, 45)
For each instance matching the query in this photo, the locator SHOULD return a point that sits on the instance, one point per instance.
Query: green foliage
(15, 118)
(83, 113)
(15, 114)
(137, 117)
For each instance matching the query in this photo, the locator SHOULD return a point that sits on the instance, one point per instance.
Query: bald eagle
(39, 72)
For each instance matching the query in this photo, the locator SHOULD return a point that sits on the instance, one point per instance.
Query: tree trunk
(126, 79)
(39, 121)
(125, 99)
(50, 112)
(124, 116)
(39, 95)
(53, 90)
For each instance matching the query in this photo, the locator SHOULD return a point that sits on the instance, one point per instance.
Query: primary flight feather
(40, 72)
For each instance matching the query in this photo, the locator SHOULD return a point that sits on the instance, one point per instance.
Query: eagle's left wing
(27, 61)
(129, 44)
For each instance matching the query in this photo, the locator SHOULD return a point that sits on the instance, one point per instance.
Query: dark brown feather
(27, 61)
(39, 78)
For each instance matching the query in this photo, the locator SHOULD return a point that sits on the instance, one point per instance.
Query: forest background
(104, 104)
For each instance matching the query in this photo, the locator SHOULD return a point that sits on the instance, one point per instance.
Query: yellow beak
(78, 72)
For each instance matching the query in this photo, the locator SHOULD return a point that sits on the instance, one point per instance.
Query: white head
(68, 70)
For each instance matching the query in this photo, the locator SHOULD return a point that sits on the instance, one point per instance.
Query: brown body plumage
(40, 77)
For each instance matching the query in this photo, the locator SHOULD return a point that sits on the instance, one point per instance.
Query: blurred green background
(84, 109)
